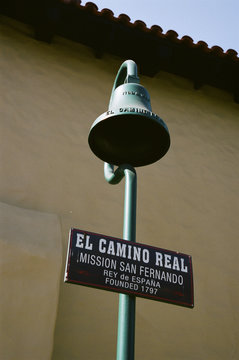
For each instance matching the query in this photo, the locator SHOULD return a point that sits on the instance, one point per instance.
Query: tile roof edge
(156, 30)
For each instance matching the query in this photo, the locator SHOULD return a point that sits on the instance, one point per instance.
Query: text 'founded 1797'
(117, 265)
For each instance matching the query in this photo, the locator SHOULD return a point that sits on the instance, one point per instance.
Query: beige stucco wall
(30, 258)
(187, 202)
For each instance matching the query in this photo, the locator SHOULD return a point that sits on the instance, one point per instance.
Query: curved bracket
(113, 177)
(127, 74)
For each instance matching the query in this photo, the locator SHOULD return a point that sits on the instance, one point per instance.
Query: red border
(191, 305)
(113, 289)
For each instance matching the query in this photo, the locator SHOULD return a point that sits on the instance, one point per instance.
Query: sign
(122, 266)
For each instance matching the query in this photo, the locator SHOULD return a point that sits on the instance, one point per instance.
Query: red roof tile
(169, 34)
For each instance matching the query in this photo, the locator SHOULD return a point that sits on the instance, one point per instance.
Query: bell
(129, 132)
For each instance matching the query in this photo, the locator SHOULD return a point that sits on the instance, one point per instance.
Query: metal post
(126, 316)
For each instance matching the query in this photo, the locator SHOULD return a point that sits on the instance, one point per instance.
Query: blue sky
(214, 21)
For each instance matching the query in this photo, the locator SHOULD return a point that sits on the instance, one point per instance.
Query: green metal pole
(126, 316)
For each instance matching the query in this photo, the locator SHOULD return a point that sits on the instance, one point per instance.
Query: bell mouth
(134, 139)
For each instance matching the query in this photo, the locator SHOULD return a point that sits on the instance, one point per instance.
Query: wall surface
(187, 202)
(30, 258)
